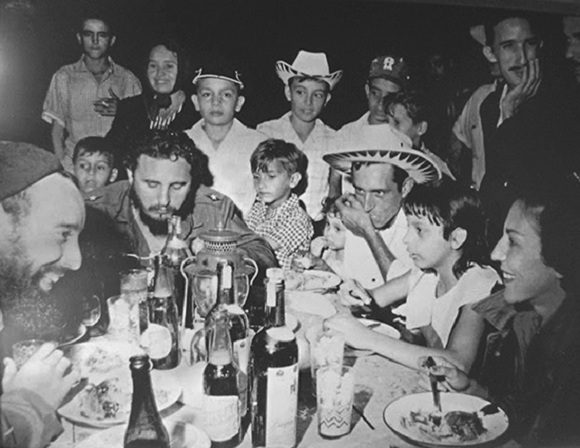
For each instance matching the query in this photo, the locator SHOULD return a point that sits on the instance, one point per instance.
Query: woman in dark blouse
(540, 262)
(164, 103)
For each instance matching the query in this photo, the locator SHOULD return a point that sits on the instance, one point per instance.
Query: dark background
(38, 36)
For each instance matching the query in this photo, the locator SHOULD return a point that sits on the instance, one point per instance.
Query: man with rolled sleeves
(167, 175)
(41, 216)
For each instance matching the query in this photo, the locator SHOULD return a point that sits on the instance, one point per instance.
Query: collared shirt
(230, 162)
(468, 131)
(425, 308)
(510, 331)
(71, 96)
(289, 225)
(543, 400)
(350, 132)
(211, 210)
(320, 141)
(359, 263)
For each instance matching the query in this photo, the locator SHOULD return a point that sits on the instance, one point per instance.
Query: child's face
(217, 101)
(334, 232)
(274, 185)
(307, 99)
(93, 171)
(426, 245)
(399, 119)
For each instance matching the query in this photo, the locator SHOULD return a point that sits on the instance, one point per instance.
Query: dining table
(378, 382)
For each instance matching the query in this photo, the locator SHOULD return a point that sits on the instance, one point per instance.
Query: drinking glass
(326, 350)
(334, 397)
(124, 318)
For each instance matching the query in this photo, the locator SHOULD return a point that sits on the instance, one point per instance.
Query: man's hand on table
(47, 373)
(353, 215)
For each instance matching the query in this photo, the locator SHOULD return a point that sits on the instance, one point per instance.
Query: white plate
(312, 280)
(399, 410)
(166, 394)
(96, 360)
(113, 437)
(377, 326)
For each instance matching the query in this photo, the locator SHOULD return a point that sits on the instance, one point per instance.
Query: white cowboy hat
(309, 64)
(381, 143)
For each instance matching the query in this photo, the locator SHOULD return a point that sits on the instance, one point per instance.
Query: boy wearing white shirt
(226, 141)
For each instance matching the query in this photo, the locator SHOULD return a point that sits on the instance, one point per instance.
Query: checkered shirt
(289, 225)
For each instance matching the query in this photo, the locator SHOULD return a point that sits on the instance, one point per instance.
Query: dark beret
(23, 164)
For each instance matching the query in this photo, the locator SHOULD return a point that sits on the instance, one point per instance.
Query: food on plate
(451, 427)
(111, 399)
(309, 280)
(104, 400)
(102, 361)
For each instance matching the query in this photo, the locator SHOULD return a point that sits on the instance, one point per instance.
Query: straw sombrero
(382, 144)
(309, 64)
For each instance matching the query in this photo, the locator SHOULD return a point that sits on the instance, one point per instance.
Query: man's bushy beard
(27, 310)
(161, 226)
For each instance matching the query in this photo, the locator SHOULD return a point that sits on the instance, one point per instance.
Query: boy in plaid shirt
(279, 168)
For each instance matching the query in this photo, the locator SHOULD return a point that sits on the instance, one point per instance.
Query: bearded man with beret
(41, 215)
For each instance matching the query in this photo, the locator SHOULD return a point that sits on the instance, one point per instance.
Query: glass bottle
(172, 255)
(163, 330)
(239, 325)
(221, 404)
(274, 373)
(145, 429)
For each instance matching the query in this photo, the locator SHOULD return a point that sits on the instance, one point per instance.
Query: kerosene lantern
(200, 270)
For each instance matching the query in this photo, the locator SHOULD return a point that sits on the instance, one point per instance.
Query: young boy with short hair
(308, 83)
(279, 168)
(408, 113)
(94, 164)
(226, 141)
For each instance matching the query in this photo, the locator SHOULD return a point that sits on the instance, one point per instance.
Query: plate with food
(94, 359)
(181, 435)
(464, 420)
(108, 402)
(311, 280)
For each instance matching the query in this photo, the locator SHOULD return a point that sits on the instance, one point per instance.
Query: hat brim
(226, 78)
(399, 81)
(419, 166)
(285, 72)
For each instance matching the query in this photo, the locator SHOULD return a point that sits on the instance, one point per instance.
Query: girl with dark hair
(165, 102)
(446, 241)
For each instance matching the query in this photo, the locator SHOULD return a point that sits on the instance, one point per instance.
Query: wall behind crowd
(37, 37)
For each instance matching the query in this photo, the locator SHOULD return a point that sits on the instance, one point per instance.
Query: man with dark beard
(41, 216)
(168, 175)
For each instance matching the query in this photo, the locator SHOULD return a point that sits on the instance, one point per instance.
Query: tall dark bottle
(172, 255)
(239, 326)
(145, 429)
(163, 328)
(221, 404)
(274, 373)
